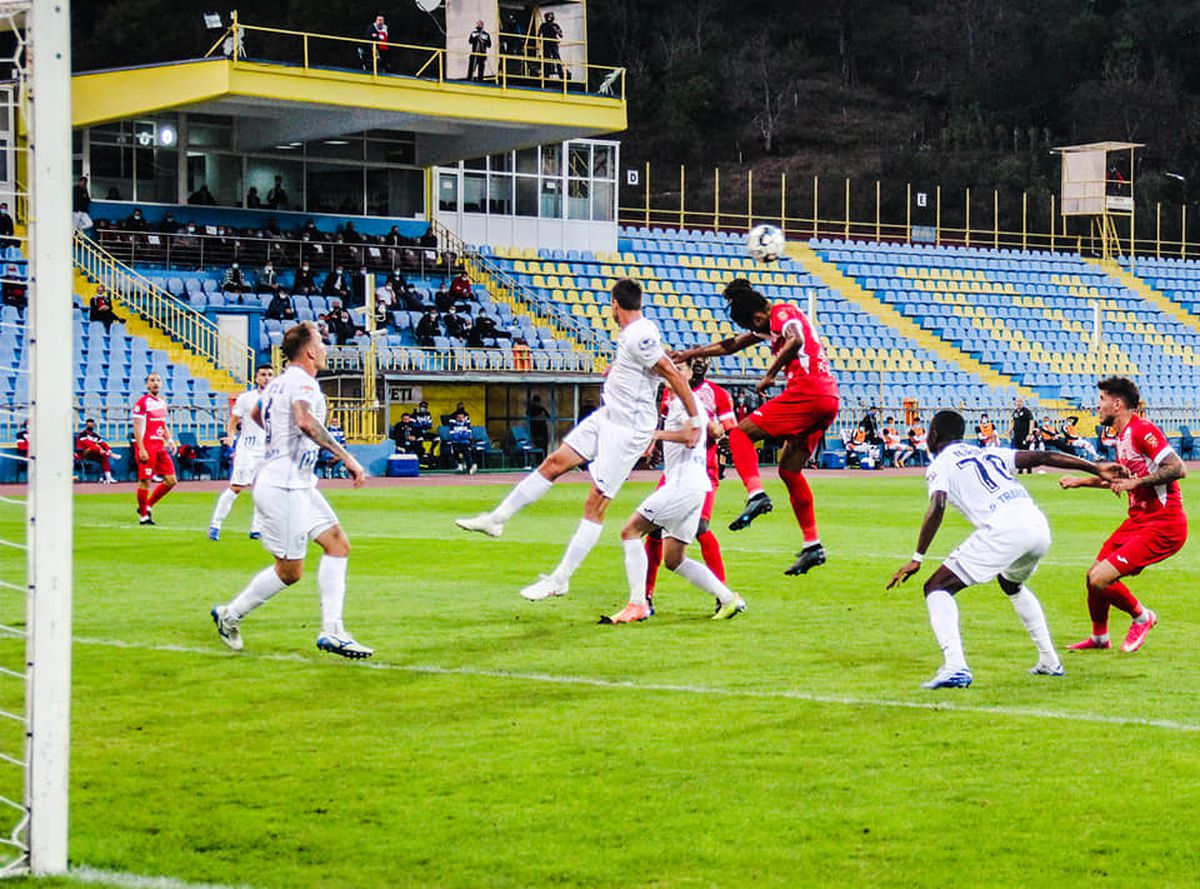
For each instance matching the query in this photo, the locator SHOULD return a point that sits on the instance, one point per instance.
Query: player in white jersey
(1011, 536)
(676, 509)
(248, 448)
(610, 440)
(292, 413)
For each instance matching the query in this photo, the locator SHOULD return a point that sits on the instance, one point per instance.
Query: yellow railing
(898, 213)
(360, 422)
(318, 53)
(179, 321)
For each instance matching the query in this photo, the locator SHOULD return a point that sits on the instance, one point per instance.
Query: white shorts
(675, 510)
(246, 464)
(610, 448)
(290, 518)
(1011, 552)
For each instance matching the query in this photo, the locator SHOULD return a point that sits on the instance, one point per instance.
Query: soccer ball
(766, 243)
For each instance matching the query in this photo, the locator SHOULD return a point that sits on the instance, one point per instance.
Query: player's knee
(673, 560)
(933, 584)
(289, 572)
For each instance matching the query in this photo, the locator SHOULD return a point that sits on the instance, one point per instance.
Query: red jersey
(154, 412)
(719, 407)
(1141, 448)
(809, 370)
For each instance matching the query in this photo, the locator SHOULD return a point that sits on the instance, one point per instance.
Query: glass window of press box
(577, 179)
(371, 173)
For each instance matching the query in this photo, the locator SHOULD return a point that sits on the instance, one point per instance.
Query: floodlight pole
(48, 509)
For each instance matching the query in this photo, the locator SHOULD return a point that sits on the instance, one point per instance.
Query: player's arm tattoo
(308, 423)
(1172, 469)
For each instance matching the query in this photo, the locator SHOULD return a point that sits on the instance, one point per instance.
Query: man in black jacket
(1022, 426)
(550, 33)
(337, 283)
(306, 282)
(481, 42)
(428, 327)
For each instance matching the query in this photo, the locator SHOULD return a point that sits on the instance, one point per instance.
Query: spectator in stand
(309, 228)
(423, 420)
(91, 447)
(549, 34)
(271, 229)
(461, 443)
(480, 41)
(113, 194)
(428, 327)
(100, 308)
(14, 289)
(323, 329)
(342, 326)
(1048, 437)
(268, 280)
(235, 281)
(378, 57)
(443, 300)
(893, 444)
(1108, 441)
(485, 328)
(253, 201)
(457, 325)
(81, 205)
(277, 198)
(358, 286)
(327, 461)
(407, 437)
(337, 283)
(870, 423)
(522, 357)
(986, 433)
(407, 296)
(1078, 444)
(383, 313)
(280, 307)
(6, 227)
(394, 239)
(305, 283)
(858, 446)
(168, 225)
(202, 197)
(350, 234)
(460, 289)
(135, 221)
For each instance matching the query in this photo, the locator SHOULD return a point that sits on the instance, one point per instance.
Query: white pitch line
(701, 690)
(137, 881)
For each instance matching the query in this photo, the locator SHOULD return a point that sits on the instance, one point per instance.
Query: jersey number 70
(985, 478)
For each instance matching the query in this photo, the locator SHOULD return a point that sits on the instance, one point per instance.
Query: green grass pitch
(495, 742)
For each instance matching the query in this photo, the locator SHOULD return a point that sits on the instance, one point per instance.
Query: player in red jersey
(719, 407)
(800, 415)
(1157, 525)
(152, 448)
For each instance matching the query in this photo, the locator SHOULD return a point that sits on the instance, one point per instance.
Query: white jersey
(686, 467)
(252, 437)
(981, 484)
(291, 455)
(632, 382)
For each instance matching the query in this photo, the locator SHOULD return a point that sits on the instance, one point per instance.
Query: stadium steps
(1164, 304)
(832, 277)
(136, 325)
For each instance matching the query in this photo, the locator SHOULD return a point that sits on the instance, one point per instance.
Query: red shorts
(1141, 542)
(797, 415)
(158, 462)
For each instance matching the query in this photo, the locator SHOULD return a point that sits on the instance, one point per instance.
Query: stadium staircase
(833, 278)
(188, 337)
(1160, 301)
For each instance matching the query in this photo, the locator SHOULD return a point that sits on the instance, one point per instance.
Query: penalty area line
(698, 690)
(125, 880)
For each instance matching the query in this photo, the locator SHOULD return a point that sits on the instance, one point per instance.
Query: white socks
(331, 581)
(265, 584)
(699, 575)
(224, 504)
(1029, 609)
(529, 490)
(943, 617)
(635, 569)
(581, 544)
(256, 522)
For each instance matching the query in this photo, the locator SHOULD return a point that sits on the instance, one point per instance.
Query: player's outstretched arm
(714, 350)
(307, 423)
(1172, 469)
(1059, 460)
(929, 529)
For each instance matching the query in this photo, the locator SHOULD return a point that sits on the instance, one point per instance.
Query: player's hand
(1121, 485)
(227, 441)
(143, 455)
(357, 474)
(904, 574)
(765, 384)
(1111, 471)
(693, 436)
(1066, 482)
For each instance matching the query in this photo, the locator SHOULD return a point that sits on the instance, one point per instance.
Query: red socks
(745, 458)
(1116, 594)
(157, 494)
(802, 503)
(711, 550)
(143, 494)
(654, 557)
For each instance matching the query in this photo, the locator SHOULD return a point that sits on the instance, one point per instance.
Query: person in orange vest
(918, 441)
(893, 444)
(986, 431)
(1077, 442)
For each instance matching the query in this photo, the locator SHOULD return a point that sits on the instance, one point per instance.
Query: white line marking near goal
(136, 881)
(703, 690)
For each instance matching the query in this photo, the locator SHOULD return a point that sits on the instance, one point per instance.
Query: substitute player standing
(248, 452)
(1157, 525)
(675, 507)
(610, 440)
(152, 445)
(1011, 536)
(800, 416)
(292, 510)
(718, 406)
